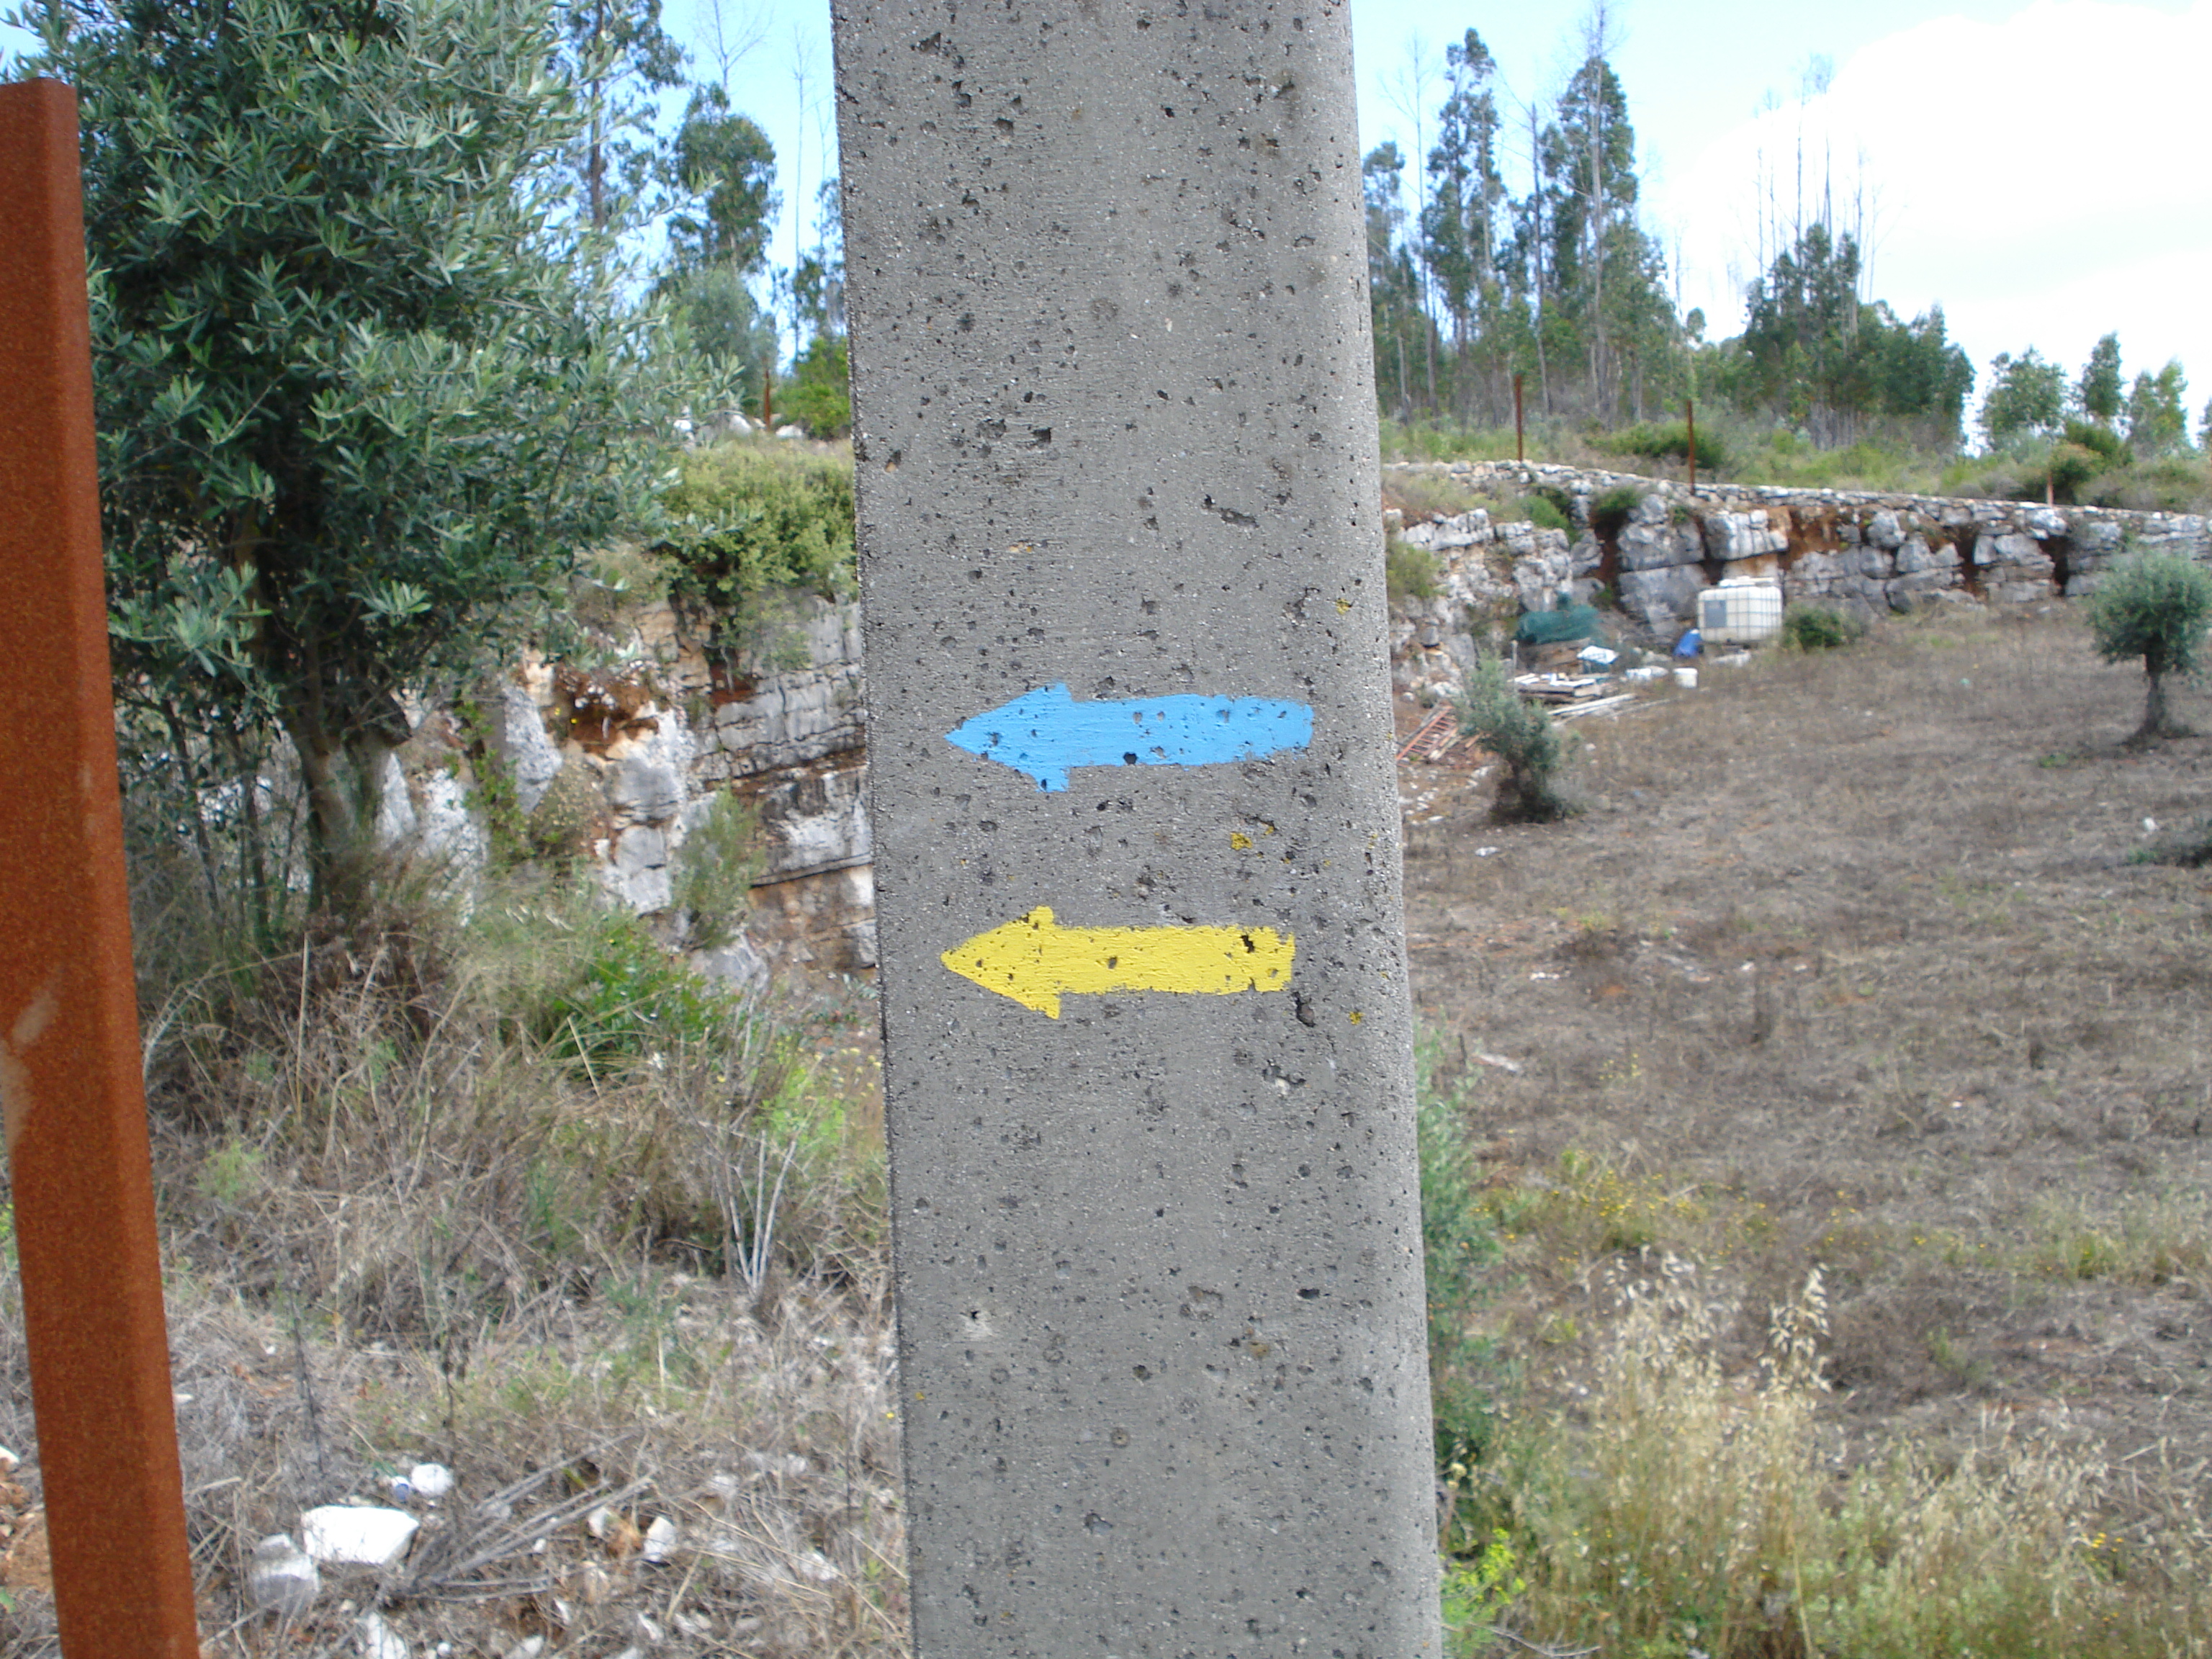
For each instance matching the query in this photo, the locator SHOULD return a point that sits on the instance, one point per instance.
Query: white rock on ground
(430, 1480)
(378, 1640)
(347, 1535)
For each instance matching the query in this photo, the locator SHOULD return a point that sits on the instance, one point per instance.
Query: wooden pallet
(1438, 734)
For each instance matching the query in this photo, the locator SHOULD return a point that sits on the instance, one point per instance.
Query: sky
(2036, 169)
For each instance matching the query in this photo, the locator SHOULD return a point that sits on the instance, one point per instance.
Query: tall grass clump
(504, 1185)
(412, 1121)
(1459, 1241)
(1692, 1509)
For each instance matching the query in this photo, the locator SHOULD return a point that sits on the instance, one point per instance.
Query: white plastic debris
(431, 1482)
(343, 1534)
(660, 1540)
(282, 1576)
(528, 1648)
(817, 1566)
(378, 1640)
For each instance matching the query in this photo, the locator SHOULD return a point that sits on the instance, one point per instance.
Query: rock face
(619, 764)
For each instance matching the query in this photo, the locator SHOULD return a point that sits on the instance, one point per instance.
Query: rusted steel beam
(73, 1100)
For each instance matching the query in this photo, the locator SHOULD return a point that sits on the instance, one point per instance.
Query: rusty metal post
(1518, 455)
(70, 1064)
(1690, 420)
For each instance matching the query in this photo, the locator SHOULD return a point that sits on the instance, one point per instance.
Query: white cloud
(2039, 178)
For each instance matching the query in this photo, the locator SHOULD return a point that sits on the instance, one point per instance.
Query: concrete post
(1147, 1034)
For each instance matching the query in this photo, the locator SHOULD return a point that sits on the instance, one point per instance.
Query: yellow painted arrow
(1035, 960)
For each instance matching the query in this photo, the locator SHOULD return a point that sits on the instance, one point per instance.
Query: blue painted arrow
(1045, 734)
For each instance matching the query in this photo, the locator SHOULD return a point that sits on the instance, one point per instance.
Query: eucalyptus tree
(2098, 391)
(1458, 240)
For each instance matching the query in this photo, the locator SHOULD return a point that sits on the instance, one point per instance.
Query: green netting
(1575, 622)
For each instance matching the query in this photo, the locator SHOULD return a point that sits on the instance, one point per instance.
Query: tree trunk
(337, 824)
(2157, 722)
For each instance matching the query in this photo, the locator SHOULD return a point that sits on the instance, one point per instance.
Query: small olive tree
(1521, 734)
(2156, 606)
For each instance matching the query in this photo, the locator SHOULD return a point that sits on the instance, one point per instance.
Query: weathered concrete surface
(1159, 1257)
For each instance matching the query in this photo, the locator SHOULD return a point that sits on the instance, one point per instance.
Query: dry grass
(1848, 967)
(516, 1197)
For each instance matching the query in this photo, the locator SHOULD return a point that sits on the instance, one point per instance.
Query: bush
(714, 871)
(819, 395)
(2072, 466)
(2099, 441)
(1609, 509)
(1546, 512)
(1817, 627)
(1671, 441)
(1526, 742)
(1409, 572)
(1458, 1238)
(2152, 605)
(754, 524)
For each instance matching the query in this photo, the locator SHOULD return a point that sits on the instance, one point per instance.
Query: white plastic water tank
(1740, 612)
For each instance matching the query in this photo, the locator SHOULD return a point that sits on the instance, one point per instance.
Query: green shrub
(1609, 509)
(819, 395)
(1458, 1239)
(1818, 628)
(1410, 572)
(716, 868)
(2152, 605)
(2098, 439)
(632, 1000)
(1671, 441)
(1526, 742)
(754, 524)
(1544, 513)
(2072, 466)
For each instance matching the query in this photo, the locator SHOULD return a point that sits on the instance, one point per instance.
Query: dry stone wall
(1861, 551)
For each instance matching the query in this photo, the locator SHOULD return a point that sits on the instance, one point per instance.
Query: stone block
(1656, 546)
(645, 789)
(1662, 597)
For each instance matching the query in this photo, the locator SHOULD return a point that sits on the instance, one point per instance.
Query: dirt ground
(1845, 964)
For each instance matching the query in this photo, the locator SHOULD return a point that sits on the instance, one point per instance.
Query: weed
(1817, 627)
(2148, 1244)
(1544, 513)
(1609, 509)
(1458, 1240)
(716, 868)
(1410, 571)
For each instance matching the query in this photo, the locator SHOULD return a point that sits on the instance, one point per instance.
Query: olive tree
(2156, 606)
(1521, 734)
(365, 381)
